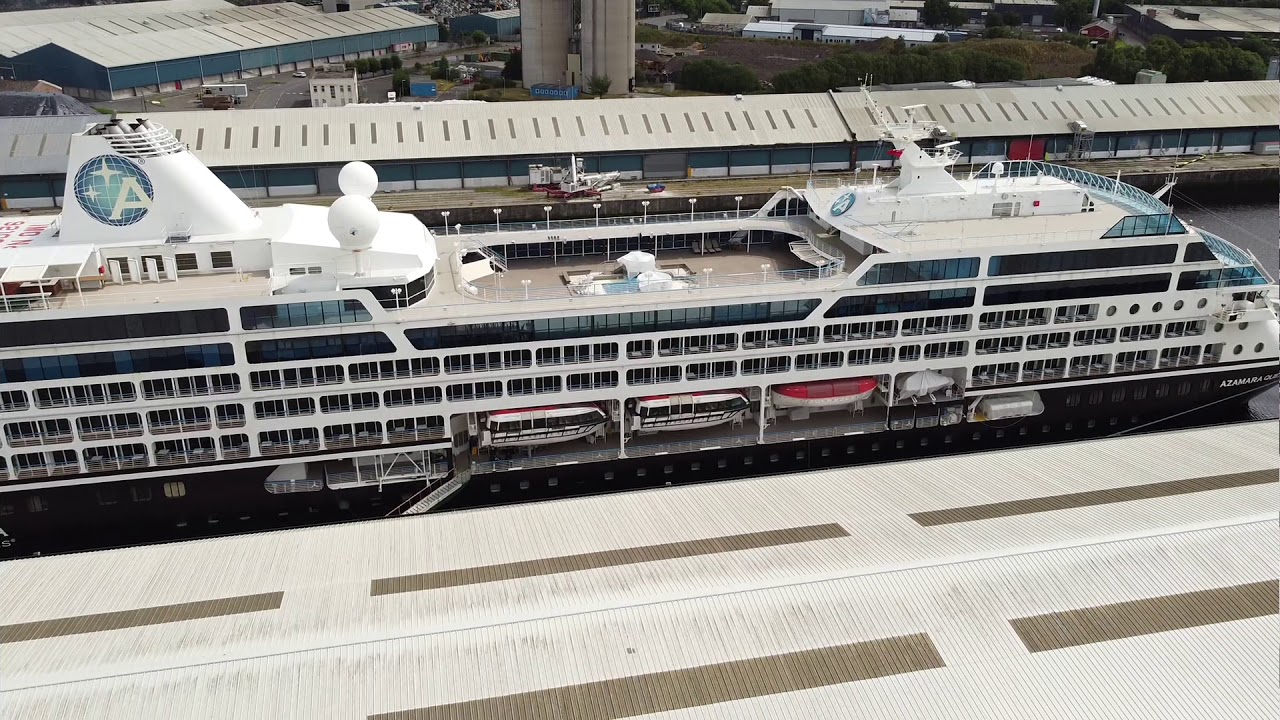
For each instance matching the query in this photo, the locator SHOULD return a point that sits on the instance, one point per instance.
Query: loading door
(666, 165)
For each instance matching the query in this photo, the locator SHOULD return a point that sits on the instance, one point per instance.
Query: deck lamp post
(645, 204)
(737, 213)
(692, 202)
(597, 207)
(497, 219)
(525, 283)
(764, 272)
(547, 209)
(445, 215)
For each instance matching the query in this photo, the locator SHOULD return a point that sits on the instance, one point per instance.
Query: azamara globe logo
(843, 204)
(113, 190)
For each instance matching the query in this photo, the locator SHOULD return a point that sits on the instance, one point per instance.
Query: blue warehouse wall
(61, 67)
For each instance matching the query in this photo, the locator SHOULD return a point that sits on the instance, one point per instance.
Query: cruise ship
(175, 363)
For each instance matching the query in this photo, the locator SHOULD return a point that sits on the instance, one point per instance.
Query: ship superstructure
(171, 357)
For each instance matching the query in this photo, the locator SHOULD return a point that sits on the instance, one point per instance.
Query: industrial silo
(545, 28)
(609, 42)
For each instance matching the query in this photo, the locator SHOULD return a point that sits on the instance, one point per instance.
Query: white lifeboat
(542, 425)
(682, 412)
(826, 393)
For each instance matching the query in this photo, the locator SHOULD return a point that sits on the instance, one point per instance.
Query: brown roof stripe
(1147, 616)
(159, 615)
(1093, 497)
(699, 686)
(603, 559)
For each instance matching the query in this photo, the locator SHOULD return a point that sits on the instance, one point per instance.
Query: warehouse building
(1203, 23)
(501, 24)
(290, 152)
(153, 50)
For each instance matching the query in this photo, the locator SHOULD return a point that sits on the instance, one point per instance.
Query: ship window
(314, 348)
(487, 361)
(221, 260)
(1071, 289)
(1087, 365)
(919, 301)
(1223, 277)
(1180, 356)
(585, 326)
(11, 400)
(955, 348)
(1100, 336)
(534, 386)
(989, 346)
(779, 338)
(121, 327)
(1188, 328)
(936, 324)
(999, 374)
(56, 367)
(652, 376)
(329, 312)
(637, 349)
(474, 391)
(920, 271)
(1041, 341)
(909, 353)
(871, 356)
(1131, 360)
(1146, 225)
(810, 361)
(845, 332)
(594, 380)
(770, 365)
(1197, 252)
(1050, 369)
(1006, 209)
(1135, 333)
(175, 489)
(186, 262)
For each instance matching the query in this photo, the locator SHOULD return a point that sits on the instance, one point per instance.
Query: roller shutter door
(666, 165)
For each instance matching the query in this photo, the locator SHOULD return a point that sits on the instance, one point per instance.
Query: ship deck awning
(1123, 577)
(42, 264)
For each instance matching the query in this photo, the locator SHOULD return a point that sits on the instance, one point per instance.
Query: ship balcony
(270, 448)
(99, 463)
(419, 434)
(1133, 365)
(123, 431)
(1021, 323)
(1089, 370)
(1048, 373)
(52, 469)
(993, 379)
(236, 452)
(29, 439)
(166, 428)
(231, 422)
(1179, 361)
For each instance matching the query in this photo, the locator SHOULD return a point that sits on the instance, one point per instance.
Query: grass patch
(1043, 59)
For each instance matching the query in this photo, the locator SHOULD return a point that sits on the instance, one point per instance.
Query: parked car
(300, 73)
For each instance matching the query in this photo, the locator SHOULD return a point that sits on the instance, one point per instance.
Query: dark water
(1249, 218)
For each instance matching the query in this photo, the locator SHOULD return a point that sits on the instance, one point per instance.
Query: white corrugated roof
(333, 649)
(1019, 112)
(288, 26)
(80, 13)
(490, 130)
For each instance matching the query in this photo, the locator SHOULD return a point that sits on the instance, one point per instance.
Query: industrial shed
(495, 24)
(119, 56)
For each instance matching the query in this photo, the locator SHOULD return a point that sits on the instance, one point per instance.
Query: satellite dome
(997, 169)
(358, 178)
(354, 221)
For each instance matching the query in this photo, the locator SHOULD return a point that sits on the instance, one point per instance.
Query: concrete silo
(609, 42)
(545, 29)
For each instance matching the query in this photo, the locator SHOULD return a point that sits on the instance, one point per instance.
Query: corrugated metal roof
(1018, 112)
(500, 14)
(24, 18)
(74, 28)
(484, 130)
(39, 145)
(289, 26)
(287, 624)
(17, 103)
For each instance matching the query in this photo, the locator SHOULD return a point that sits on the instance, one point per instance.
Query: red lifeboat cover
(828, 389)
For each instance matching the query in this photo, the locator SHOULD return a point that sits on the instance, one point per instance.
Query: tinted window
(121, 327)
(122, 362)
(580, 326)
(313, 348)
(1198, 252)
(1226, 277)
(881, 303)
(1081, 260)
(924, 270)
(1072, 289)
(328, 312)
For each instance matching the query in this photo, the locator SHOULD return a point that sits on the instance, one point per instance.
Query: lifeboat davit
(542, 425)
(826, 393)
(682, 412)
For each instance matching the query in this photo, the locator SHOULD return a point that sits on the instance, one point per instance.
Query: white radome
(358, 178)
(354, 221)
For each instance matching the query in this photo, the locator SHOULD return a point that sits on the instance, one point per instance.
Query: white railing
(632, 221)
(782, 436)
(540, 461)
(690, 446)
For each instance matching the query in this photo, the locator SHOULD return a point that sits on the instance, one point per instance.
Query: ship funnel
(133, 180)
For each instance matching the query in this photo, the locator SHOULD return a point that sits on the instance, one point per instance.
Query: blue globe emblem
(113, 190)
(843, 203)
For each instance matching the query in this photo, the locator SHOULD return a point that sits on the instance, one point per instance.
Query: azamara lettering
(1249, 380)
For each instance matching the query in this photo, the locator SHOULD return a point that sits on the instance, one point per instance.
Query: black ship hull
(230, 501)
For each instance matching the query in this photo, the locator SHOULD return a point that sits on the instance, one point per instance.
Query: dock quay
(1126, 577)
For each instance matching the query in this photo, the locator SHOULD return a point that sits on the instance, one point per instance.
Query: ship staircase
(806, 251)
(496, 259)
(432, 495)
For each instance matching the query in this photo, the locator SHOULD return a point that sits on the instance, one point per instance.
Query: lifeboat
(827, 393)
(542, 425)
(682, 412)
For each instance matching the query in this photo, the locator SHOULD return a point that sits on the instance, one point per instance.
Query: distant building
(30, 86)
(156, 47)
(334, 6)
(334, 88)
(832, 12)
(1099, 30)
(1035, 13)
(495, 24)
(1203, 23)
(33, 104)
(836, 34)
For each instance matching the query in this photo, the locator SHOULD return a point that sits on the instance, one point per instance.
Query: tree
(936, 12)
(478, 37)
(1073, 14)
(400, 82)
(1012, 19)
(695, 9)
(440, 69)
(995, 19)
(957, 17)
(717, 76)
(599, 85)
(396, 62)
(513, 70)
(362, 66)
(385, 64)
(941, 38)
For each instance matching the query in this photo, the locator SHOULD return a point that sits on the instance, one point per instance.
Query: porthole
(1133, 309)
(924, 442)
(722, 463)
(1114, 421)
(1092, 424)
(1202, 303)
(1217, 327)
(641, 472)
(977, 436)
(749, 460)
(495, 487)
(1237, 350)
(1111, 311)
(608, 475)
(825, 452)
(175, 489)
(668, 469)
(695, 467)
(1068, 426)
(1157, 307)
(524, 484)
(1244, 325)
(799, 454)
(553, 481)
(900, 444)
(1257, 348)
(1000, 433)
(1045, 428)
(875, 447)
(947, 439)
(848, 450)
(773, 458)
(1178, 305)
(1022, 430)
